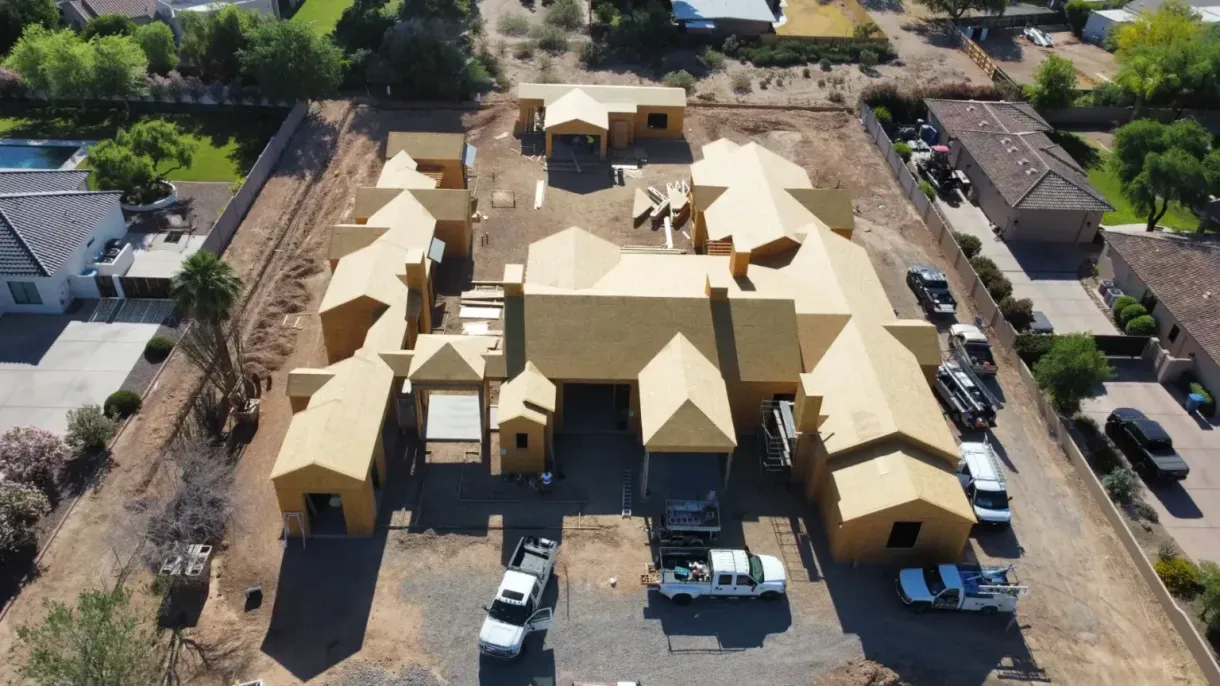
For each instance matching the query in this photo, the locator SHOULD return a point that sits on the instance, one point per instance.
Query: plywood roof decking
(891, 475)
(577, 105)
(444, 358)
(401, 171)
(426, 145)
(528, 395)
(637, 96)
(684, 405)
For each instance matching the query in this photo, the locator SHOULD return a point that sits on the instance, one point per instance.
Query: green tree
(954, 9)
(1071, 371)
(1209, 583)
(1077, 13)
(206, 288)
(363, 26)
(425, 60)
(109, 25)
(213, 43)
(58, 63)
(291, 62)
(160, 141)
(1054, 84)
(102, 642)
(450, 10)
(116, 167)
(1158, 164)
(157, 41)
(119, 66)
(17, 15)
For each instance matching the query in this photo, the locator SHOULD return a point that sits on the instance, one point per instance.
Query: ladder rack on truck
(963, 393)
(963, 361)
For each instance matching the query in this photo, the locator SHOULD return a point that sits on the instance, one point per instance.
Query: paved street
(1189, 510)
(50, 364)
(1043, 272)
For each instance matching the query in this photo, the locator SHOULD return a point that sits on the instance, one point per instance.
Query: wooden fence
(1199, 648)
(981, 58)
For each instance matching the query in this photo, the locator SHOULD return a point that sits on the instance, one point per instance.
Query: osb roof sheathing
(577, 105)
(528, 395)
(683, 402)
(400, 171)
(891, 475)
(646, 96)
(426, 145)
(444, 358)
(743, 193)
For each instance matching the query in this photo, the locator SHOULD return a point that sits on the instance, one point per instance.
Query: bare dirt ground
(1020, 57)
(925, 56)
(410, 595)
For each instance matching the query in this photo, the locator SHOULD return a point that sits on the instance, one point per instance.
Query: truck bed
(686, 567)
(533, 556)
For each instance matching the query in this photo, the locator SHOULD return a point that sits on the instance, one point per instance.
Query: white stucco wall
(56, 290)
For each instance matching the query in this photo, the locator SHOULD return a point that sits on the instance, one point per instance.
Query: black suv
(931, 290)
(1146, 445)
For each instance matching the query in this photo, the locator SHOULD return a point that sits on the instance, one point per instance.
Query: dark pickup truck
(1146, 444)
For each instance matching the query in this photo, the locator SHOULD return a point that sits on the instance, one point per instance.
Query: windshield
(936, 285)
(931, 577)
(1159, 447)
(756, 569)
(991, 500)
(509, 613)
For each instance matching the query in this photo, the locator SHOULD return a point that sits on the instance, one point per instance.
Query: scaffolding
(776, 435)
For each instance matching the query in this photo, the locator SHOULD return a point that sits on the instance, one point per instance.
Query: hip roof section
(892, 475)
(528, 395)
(684, 406)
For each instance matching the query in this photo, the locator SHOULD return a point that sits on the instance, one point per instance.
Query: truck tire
(988, 611)
(770, 595)
(681, 599)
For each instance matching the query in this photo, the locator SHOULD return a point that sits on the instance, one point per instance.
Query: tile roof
(973, 115)
(1183, 273)
(130, 8)
(41, 181)
(40, 231)
(1031, 172)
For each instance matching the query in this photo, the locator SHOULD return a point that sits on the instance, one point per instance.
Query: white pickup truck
(986, 590)
(514, 613)
(683, 575)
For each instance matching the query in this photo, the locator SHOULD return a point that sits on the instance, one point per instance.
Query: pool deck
(82, 148)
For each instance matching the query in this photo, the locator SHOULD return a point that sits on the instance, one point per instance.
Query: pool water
(34, 156)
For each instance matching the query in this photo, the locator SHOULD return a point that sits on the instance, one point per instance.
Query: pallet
(650, 579)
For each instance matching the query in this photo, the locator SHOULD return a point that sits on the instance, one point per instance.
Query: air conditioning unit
(1112, 295)
(1105, 286)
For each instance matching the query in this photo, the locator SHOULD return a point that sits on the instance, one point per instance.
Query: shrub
(927, 189)
(546, 70)
(836, 96)
(33, 456)
(1018, 312)
(865, 30)
(903, 150)
(868, 59)
(21, 507)
(1071, 371)
(805, 72)
(513, 24)
(1119, 303)
(1168, 550)
(1000, 288)
(1141, 326)
(123, 404)
(551, 38)
(711, 59)
(1180, 576)
(680, 79)
(1031, 347)
(524, 50)
(882, 113)
(969, 243)
(566, 14)
(1077, 13)
(89, 428)
(593, 54)
(1208, 408)
(157, 348)
(824, 63)
(981, 263)
(1122, 485)
(1145, 511)
(741, 82)
(1131, 312)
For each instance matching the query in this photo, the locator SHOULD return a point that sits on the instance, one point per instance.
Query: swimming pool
(42, 155)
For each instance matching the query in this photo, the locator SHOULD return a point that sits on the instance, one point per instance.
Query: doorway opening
(325, 514)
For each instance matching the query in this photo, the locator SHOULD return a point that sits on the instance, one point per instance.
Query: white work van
(982, 477)
(514, 613)
(973, 588)
(683, 575)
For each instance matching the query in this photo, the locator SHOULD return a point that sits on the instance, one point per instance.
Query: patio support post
(644, 478)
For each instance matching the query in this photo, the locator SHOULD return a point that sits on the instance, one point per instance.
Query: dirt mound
(862, 673)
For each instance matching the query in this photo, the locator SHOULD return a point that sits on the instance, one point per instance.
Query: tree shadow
(1076, 146)
(883, 5)
(934, 32)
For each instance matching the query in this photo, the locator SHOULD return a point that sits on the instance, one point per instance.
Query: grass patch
(229, 143)
(1104, 179)
(322, 15)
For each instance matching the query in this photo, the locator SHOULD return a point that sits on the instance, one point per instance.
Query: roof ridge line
(21, 240)
(1037, 182)
(45, 194)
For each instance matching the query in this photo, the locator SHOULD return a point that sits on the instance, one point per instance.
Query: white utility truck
(514, 613)
(986, 590)
(685, 574)
(982, 477)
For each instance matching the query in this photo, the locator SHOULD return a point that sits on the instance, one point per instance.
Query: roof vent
(1030, 172)
(1005, 140)
(1022, 162)
(1010, 149)
(970, 108)
(983, 123)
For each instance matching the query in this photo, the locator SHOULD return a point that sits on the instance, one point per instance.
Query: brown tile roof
(972, 115)
(1183, 273)
(130, 8)
(1031, 172)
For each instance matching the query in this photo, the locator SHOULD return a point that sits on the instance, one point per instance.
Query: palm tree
(206, 289)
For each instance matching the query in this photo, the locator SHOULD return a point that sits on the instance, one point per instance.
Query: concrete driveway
(52, 363)
(1189, 510)
(1043, 272)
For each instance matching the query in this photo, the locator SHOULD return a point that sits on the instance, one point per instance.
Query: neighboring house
(1177, 277)
(51, 234)
(737, 17)
(610, 116)
(1101, 21)
(1028, 186)
(79, 12)
(173, 11)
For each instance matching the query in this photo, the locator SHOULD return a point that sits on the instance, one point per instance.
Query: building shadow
(663, 151)
(593, 179)
(26, 338)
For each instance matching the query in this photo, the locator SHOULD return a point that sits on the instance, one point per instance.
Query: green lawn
(1103, 178)
(322, 15)
(228, 142)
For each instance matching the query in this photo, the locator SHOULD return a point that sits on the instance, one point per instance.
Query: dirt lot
(926, 57)
(1020, 57)
(359, 611)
